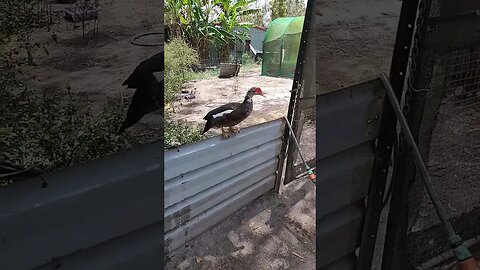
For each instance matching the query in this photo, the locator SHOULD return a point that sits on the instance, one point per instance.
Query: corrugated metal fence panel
(141, 249)
(82, 206)
(347, 126)
(339, 233)
(348, 174)
(346, 263)
(348, 117)
(207, 181)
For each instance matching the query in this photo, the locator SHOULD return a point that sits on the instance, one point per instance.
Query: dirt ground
(95, 68)
(357, 38)
(454, 162)
(214, 92)
(272, 232)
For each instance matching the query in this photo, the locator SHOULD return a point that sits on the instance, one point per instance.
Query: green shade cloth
(280, 47)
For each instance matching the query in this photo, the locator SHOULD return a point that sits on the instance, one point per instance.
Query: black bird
(143, 73)
(149, 94)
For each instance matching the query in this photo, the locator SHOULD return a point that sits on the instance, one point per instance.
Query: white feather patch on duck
(220, 114)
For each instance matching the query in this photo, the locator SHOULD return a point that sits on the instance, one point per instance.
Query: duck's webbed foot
(225, 133)
(235, 129)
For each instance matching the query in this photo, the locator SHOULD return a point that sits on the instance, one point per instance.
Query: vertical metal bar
(398, 69)
(281, 59)
(297, 144)
(287, 150)
(394, 254)
(298, 86)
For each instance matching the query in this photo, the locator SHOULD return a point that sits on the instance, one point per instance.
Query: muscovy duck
(149, 94)
(231, 114)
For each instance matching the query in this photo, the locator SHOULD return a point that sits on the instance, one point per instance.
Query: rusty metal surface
(209, 180)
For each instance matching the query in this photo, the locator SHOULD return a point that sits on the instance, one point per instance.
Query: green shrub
(18, 20)
(48, 133)
(177, 133)
(179, 58)
(248, 63)
(247, 59)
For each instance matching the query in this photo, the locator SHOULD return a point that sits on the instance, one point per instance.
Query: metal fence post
(287, 147)
(387, 135)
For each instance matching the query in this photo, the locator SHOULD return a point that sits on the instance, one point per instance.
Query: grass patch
(197, 76)
(178, 133)
(50, 132)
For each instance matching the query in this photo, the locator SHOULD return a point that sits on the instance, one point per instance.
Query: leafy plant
(192, 21)
(228, 17)
(42, 132)
(279, 9)
(18, 20)
(204, 22)
(258, 17)
(178, 133)
(247, 59)
(179, 58)
(295, 8)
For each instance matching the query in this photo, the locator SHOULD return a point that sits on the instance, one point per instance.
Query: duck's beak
(261, 94)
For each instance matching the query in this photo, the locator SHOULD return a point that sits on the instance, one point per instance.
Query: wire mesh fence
(307, 138)
(454, 155)
(214, 62)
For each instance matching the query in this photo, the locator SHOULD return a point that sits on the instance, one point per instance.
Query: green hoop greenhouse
(280, 47)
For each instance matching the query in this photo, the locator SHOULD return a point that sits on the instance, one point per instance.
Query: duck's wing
(222, 110)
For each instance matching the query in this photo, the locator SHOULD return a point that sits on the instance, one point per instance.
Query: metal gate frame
(388, 134)
(442, 36)
(383, 146)
(302, 97)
